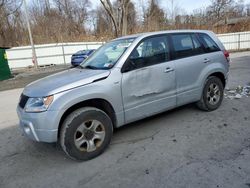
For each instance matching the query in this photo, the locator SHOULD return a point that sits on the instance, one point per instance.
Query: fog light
(27, 129)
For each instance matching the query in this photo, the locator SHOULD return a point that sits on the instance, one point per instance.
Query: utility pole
(34, 58)
(172, 11)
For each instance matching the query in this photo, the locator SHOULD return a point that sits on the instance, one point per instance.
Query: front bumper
(40, 127)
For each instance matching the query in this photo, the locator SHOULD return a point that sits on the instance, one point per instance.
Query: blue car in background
(80, 56)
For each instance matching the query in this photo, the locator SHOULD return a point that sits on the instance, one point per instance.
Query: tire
(86, 133)
(212, 94)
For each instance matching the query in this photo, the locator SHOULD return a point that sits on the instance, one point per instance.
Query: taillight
(226, 54)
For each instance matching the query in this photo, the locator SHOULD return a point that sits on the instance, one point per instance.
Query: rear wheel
(212, 94)
(86, 133)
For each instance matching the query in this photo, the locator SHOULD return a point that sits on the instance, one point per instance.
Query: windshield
(107, 55)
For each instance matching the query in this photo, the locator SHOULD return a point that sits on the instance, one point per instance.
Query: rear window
(208, 42)
(186, 45)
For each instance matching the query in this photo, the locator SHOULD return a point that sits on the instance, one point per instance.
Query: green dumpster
(4, 67)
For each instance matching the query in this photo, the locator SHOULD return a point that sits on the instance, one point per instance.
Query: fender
(209, 70)
(111, 93)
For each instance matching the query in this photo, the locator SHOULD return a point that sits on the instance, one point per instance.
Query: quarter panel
(210, 69)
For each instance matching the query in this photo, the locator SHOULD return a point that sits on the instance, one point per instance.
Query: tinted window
(186, 45)
(198, 48)
(149, 52)
(209, 44)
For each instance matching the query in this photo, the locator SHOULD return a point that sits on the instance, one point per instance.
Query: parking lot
(184, 147)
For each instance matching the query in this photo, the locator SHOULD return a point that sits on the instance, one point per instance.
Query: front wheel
(212, 94)
(86, 133)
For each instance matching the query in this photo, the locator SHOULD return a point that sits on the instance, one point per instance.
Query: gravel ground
(182, 148)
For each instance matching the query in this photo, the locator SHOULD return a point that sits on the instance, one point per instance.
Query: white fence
(47, 53)
(235, 41)
(61, 52)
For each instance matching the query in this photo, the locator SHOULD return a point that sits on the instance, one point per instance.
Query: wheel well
(220, 76)
(97, 103)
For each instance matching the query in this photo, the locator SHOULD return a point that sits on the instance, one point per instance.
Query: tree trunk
(108, 7)
(124, 19)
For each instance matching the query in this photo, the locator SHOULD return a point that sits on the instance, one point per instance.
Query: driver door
(148, 79)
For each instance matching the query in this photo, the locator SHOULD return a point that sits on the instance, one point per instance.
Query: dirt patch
(21, 78)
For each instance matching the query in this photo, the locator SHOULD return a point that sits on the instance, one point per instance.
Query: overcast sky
(187, 5)
(190, 5)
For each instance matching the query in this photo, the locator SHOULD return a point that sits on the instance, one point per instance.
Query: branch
(15, 10)
(109, 9)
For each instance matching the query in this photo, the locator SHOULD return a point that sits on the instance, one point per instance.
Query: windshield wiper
(79, 67)
(89, 67)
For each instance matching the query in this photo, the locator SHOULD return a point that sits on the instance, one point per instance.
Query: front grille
(23, 100)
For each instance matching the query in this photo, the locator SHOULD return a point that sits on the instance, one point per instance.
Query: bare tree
(111, 12)
(219, 8)
(154, 18)
(173, 10)
(248, 9)
(65, 20)
(132, 21)
(120, 23)
(103, 23)
(76, 20)
(9, 22)
(124, 19)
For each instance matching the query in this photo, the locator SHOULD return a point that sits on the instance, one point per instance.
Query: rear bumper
(226, 79)
(39, 126)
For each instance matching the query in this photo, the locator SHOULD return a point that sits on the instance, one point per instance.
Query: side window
(198, 48)
(186, 45)
(149, 52)
(209, 44)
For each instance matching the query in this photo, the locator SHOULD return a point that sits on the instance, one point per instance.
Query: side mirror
(129, 65)
(132, 62)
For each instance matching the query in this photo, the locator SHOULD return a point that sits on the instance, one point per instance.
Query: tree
(110, 10)
(10, 22)
(132, 22)
(219, 8)
(154, 17)
(120, 22)
(65, 20)
(75, 20)
(103, 26)
(248, 9)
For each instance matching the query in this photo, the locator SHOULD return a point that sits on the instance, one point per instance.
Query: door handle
(168, 69)
(206, 60)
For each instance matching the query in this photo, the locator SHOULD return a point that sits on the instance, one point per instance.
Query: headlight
(39, 104)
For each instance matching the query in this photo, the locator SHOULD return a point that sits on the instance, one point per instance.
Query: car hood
(63, 81)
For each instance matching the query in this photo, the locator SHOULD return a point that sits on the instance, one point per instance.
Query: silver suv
(125, 80)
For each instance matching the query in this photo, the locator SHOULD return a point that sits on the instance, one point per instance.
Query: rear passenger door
(213, 52)
(188, 55)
